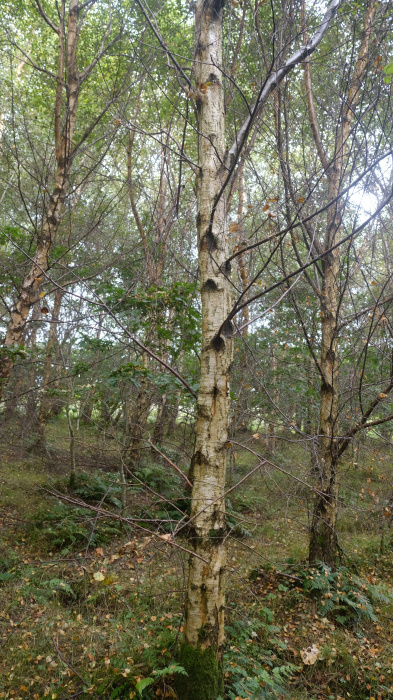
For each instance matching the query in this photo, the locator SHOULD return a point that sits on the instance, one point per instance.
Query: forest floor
(93, 607)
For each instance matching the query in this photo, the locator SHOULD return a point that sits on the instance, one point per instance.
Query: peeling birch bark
(204, 624)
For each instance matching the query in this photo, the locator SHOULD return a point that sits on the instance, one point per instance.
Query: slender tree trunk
(29, 291)
(138, 414)
(311, 429)
(71, 436)
(11, 403)
(123, 477)
(31, 401)
(46, 401)
(241, 262)
(201, 652)
(242, 397)
(159, 427)
(323, 537)
(276, 398)
(173, 410)
(137, 421)
(89, 404)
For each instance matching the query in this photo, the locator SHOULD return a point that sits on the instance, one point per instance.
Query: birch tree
(323, 543)
(69, 82)
(201, 653)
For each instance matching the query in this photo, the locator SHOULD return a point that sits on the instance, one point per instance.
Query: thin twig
(67, 663)
(171, 463)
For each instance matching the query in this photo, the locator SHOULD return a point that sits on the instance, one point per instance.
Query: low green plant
(8, 567)
(166, 672)
(67, 528)
(250, 669)
(347, 598)
(98, 487)
(234, 521)
(157, 477)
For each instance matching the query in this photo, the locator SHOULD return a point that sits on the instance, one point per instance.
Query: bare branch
(162, 43)
(46, 18)
(276, 77)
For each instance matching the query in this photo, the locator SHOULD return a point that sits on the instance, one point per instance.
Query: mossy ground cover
(103, 618)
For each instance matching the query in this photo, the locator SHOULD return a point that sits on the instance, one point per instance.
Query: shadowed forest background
(196, 368)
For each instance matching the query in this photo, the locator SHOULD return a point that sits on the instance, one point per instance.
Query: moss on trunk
(205, 676)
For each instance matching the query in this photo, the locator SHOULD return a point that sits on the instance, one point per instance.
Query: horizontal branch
(364, 424)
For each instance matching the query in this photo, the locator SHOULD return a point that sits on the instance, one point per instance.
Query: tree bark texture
(204, 623)
(137, 419)
(31, 403)
(46, 401)
(323, 537)
(65, 120)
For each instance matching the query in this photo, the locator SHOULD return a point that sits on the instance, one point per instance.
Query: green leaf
(142, 684)
(170, 670)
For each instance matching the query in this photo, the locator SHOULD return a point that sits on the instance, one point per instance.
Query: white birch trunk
(204, 624)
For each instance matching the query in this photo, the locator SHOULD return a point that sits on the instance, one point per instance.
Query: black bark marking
(227, 329)
(209, 242)
(210, 286)
(218, 343)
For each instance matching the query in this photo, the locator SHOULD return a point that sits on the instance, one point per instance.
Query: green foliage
(135, 373)
(162, 673)
(347, 598)
(250, 669)
(233, 520)
(67, 528)
(98, 487)
(7, 569)
(170, 513)
(13, 352)
(158, 477)
(95, 344)
(388, 70)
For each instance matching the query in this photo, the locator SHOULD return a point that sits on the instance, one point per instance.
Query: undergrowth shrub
(251, 664)
(7, 565)
(95, 488)
(346, 598)
(65, 528)
(158, 477)
(234, 519)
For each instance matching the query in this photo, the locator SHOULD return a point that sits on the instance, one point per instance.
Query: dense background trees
(196, 288)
